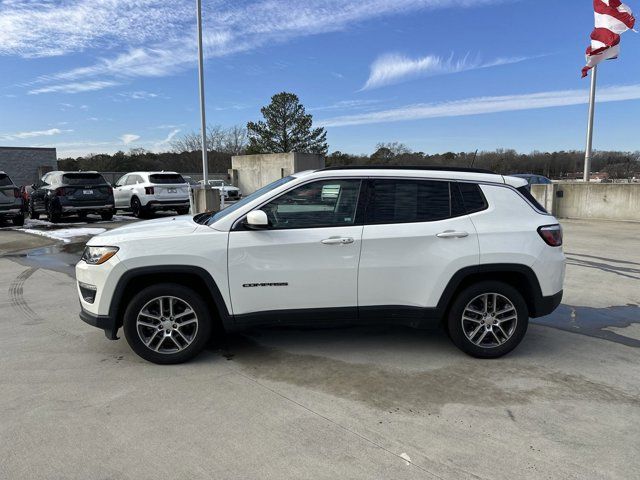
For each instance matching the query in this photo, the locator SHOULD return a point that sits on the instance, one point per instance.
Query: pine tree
(286, 128)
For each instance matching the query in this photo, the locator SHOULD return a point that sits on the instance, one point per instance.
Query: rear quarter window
(472, 197)
(526, 193)
(166, 178)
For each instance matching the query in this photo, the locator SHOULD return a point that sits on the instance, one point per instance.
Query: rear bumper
(546, 305)
(103, 322)
(86, 208)
(11, 211)
(168, 204)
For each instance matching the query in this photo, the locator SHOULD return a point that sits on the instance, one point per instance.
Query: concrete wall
(607, 201)
(25, 165)
(112, 177)
(251, 172)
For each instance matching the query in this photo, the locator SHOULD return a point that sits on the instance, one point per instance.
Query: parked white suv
(147, 192)
(402, 246)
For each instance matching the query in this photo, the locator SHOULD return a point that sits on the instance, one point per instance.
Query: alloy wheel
(489, 320)
(167, 325)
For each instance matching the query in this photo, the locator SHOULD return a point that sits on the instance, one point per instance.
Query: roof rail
(410, 167)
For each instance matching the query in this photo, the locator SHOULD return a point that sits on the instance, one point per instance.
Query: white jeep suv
(335, 246)
(147, 192)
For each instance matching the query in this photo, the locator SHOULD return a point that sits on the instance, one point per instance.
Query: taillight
(551, 234)
(61, 192)
(16, 192)
(149, 190)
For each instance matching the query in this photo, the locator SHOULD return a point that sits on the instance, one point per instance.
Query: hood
(162, 227)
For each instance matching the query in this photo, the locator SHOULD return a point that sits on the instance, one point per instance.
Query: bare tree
(232, 140)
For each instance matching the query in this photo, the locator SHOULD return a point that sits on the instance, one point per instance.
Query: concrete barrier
(606, 201)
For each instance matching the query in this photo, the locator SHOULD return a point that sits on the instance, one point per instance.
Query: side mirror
(257, 220)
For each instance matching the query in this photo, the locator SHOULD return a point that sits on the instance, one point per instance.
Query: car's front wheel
(488, 319)
(167, 323)
(53, 212)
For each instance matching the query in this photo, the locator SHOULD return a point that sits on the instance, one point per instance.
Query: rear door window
(408, 201)
(166, 178)
(83, 179)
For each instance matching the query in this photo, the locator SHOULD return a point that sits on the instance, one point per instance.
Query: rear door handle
(337, 240)
(452, 234)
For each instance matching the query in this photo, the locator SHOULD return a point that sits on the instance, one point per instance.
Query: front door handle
(452, 234)
(337, 240)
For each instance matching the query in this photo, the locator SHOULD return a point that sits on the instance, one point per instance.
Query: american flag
(613, 18)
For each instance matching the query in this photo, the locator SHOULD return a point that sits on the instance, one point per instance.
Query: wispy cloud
(138, 95)
(483, 105)
(347, 105)
(33, 134)
(75, 87)
(163, 143)
(394, 68)
(128, 138)
(155, 37)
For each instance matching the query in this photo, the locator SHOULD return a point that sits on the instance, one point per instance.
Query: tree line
(286, 127)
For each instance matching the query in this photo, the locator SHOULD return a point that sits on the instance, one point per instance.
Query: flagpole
(592, 109)
(203, 121)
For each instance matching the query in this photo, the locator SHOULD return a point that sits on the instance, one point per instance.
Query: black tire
(32, 212)
(182, 211)
(18, 220)
(137, 209)
(484, 349)
(201, 335)
(106, 215)
(82, 216)
(53, 213)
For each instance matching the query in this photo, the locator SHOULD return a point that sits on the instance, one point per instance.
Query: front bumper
(104, 322)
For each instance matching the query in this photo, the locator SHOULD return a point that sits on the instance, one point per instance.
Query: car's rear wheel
(137, 209)
(53, 212)
(182, 211)
(488, 319)
(82, 216)
(18, 220)
(106, 215)
(32, 212)
(167, 323)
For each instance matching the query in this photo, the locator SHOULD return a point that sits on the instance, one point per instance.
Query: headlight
(98, 255)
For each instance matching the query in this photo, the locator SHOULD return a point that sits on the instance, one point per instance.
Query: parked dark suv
(11, 205)
(71, 193)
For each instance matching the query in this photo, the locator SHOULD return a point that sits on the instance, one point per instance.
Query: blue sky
(91, 76)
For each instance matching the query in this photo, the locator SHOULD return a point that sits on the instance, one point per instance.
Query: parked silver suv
(11, 203)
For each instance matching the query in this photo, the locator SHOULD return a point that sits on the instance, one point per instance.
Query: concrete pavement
(338, 403)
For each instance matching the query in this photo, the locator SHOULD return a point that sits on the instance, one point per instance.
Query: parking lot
(375, 402)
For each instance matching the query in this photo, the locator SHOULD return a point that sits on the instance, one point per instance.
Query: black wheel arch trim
(538, 304)
(116, 307)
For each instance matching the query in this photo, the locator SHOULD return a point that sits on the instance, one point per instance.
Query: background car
(11, 204)
(147, 192)
(533, 179)
(228, 192)
(58, 194)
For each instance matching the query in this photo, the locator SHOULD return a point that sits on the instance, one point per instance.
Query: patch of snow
(119, 218)
(406, 458)
(64, 234)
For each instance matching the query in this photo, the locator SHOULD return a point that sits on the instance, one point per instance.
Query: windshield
(249, 198)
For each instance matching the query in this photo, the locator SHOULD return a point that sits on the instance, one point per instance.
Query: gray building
(251, 172)
(26, 164)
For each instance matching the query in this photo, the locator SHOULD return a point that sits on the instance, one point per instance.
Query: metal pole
(205, 165)
(592, 108)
